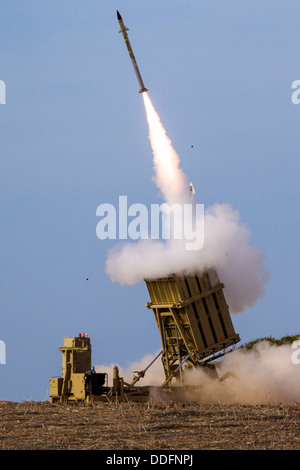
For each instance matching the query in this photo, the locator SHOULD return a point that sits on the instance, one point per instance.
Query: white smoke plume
(169, 178)
(154, 375)
(265, 374)
(227, 241)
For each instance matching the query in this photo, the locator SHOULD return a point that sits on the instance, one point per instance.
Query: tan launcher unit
(193, 320)
(195, 329)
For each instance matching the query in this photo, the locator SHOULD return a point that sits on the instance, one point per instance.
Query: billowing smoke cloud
(264, 374)
(227, 241)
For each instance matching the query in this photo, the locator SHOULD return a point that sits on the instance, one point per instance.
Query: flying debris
(192, 189)
(124, 30)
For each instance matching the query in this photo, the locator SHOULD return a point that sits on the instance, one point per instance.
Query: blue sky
(73, 135)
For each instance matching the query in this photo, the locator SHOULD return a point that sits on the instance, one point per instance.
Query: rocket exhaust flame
(169, 177)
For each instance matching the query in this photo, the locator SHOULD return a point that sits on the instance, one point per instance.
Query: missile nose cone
(119, 16)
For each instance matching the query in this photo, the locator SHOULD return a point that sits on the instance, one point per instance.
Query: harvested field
(148, 426)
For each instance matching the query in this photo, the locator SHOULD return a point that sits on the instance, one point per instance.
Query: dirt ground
(148, 426)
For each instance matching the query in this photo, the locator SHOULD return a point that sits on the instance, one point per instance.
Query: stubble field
(148, 426)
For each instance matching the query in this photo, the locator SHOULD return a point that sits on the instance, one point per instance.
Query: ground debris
(150, 426)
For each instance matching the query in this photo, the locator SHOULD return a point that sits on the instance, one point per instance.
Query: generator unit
(79, 380)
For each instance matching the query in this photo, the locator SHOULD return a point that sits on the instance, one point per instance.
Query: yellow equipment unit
(193, 320)
(79, 380)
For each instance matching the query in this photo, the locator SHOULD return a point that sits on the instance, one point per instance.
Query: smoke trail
(227, 240)
(169, 178)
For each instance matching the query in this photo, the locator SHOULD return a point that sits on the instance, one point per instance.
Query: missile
(124, 30)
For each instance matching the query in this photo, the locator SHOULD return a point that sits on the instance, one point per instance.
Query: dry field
(148, 426)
